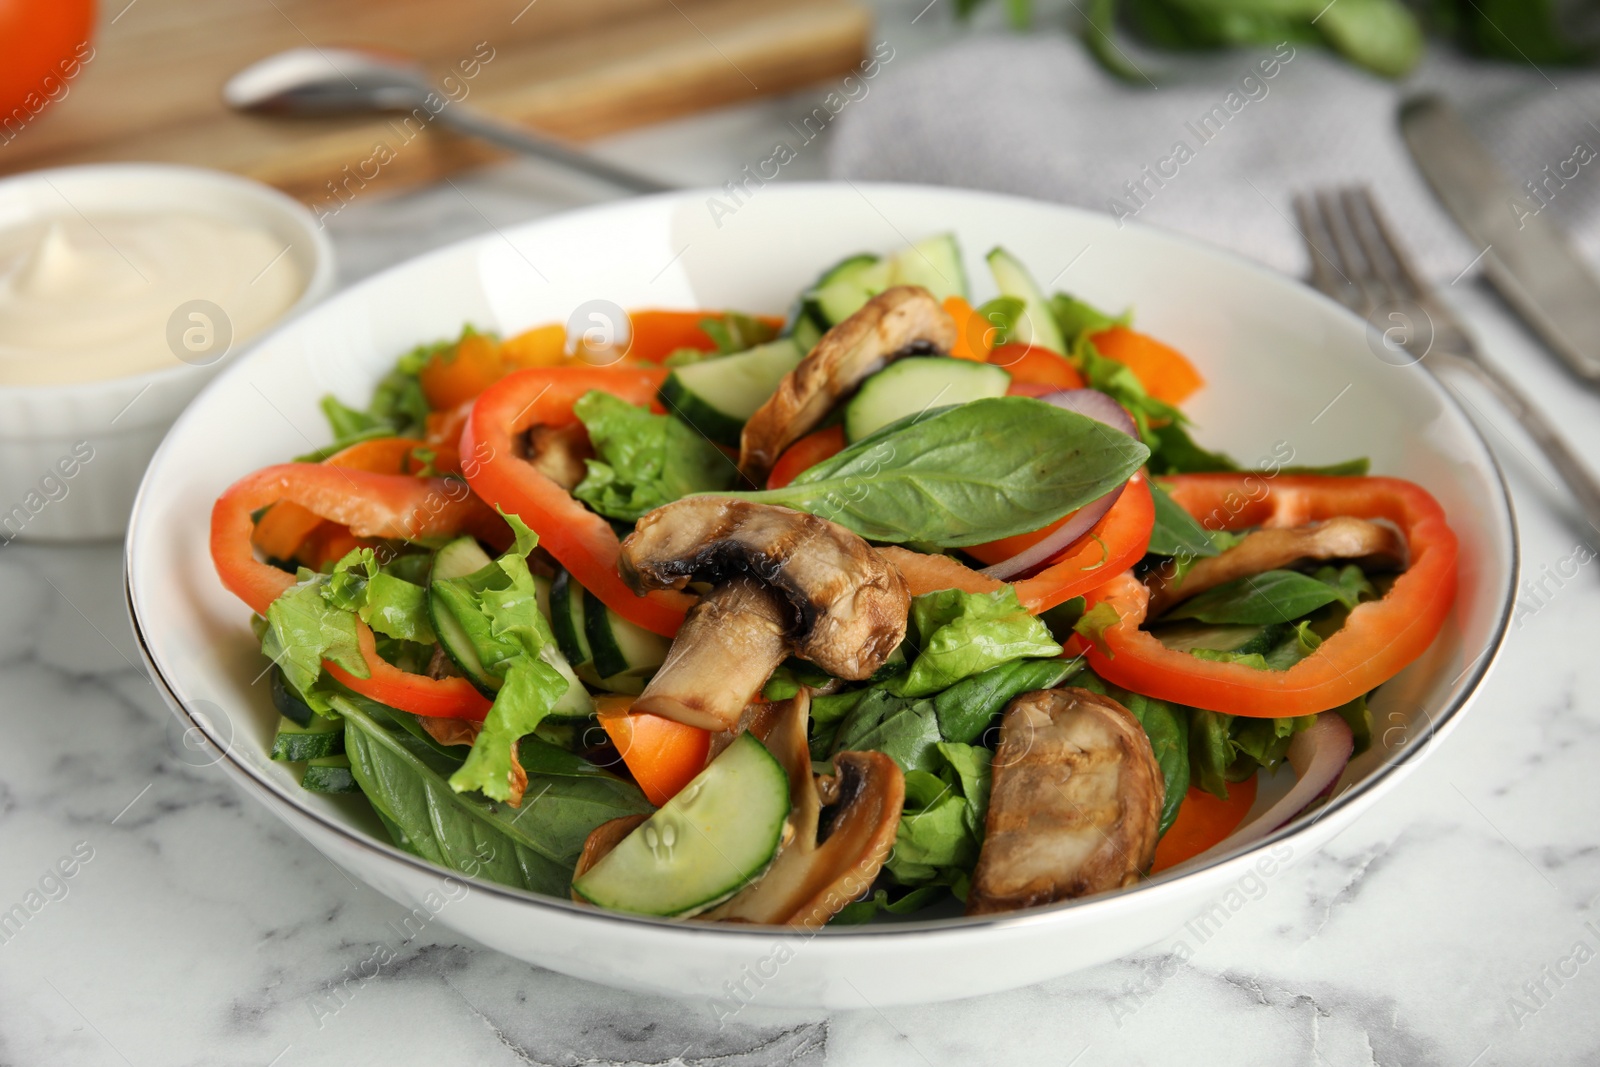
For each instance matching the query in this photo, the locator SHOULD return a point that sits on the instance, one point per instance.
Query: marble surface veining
(172, 920)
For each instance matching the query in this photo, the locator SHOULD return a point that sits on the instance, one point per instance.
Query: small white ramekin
(72, 456)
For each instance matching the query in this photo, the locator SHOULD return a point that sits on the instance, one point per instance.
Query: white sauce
(90, 298)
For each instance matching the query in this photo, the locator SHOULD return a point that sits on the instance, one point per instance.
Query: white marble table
(1455, 924)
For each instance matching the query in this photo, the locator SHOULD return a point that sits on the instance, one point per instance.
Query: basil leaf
(533, 848)
(1272, 596)
(967, 474)
(1175, 532)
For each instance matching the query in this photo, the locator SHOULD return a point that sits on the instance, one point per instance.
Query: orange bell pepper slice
(662, 755)
(1378, 640)
(974, 335)
(582, 541)
(657, 333)
(462, 372)
(1204, 820)
(1161, 369)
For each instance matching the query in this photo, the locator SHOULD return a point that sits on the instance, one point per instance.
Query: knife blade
(1527, 257)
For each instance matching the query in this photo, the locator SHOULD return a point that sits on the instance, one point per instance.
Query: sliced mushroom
(1266, 550)
(1074, 803)
(904, 320)
(558, 453)
(843, 827)
(784, 582)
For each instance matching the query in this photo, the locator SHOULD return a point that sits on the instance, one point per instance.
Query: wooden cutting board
(575, 68)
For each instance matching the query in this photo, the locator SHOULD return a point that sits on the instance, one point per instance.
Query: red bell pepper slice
(582, 541)
(1112, 545)
(1377, 641)
(371, 505)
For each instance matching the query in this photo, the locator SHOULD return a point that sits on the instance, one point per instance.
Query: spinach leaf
(644, 460)
(1272, 596)
(534, 848)
(903, 729)
(1176, 533)
(1262, 742)
(967, 708)
(962, 634)
(303, 629)
(966, 474)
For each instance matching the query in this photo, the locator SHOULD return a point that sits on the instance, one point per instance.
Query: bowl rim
(1388, 773)
(319, 281)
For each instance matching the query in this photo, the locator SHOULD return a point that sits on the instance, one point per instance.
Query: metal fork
(1356, 260)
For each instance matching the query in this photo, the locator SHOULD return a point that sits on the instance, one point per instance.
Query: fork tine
(1326, 274)
(1379, 242)
(1369, 289)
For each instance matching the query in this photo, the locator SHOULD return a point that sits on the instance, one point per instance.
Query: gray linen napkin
(1033, 115)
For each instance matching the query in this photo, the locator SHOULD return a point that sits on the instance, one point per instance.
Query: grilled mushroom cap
(843, 828)
(904, 320)
(1074, 805)
(783, 582)
(1343, 537)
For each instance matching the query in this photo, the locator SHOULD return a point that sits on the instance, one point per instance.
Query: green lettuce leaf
(961, 634)
(391, 606)
(644, 460)
(530, 690)
(303, 629)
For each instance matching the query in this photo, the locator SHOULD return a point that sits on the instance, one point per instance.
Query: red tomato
(43, 46)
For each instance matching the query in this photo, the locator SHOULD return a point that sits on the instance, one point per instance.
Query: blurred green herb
(1383, 36)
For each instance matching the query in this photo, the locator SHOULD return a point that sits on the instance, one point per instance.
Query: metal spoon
(342, 81)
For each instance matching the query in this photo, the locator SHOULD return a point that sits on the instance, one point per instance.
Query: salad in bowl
(890, 606)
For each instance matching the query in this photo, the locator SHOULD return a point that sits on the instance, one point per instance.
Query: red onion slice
(1101, 408)
(1318, 755)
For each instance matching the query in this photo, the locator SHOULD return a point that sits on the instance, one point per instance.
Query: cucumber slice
(329, 775)
(1037, 326)
(298, 742)
(717, 396)
(1188, 636)
(851, 286)
(459, 558)
(625, 654)
(566, 622)
(916, 384)
(935, 264)
(704, 845)
(289, 705)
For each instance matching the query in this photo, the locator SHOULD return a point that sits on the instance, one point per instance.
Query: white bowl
(113, 426)
(1285, 365)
